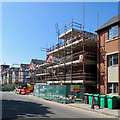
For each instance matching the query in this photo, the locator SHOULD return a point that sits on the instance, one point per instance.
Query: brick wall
(105, 48)
(119, 71)
(112, 46)
(98, 59)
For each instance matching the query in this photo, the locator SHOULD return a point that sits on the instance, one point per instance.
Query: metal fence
(10, 87)
(60, 93)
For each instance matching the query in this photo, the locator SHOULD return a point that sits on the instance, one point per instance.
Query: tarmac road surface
(16, 106)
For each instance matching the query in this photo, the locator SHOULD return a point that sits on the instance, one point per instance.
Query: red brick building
(108, 59)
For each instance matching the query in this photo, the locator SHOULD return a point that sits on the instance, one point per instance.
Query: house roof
(25, 65)
(37, 62)
(112, 21)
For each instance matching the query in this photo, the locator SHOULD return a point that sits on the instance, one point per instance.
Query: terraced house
(108, 59)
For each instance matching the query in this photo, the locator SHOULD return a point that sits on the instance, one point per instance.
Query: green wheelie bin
(90, 98)
(16, 91)
(103, 101)
(111, 102)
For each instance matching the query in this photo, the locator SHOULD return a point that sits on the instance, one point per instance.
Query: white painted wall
(113, 74)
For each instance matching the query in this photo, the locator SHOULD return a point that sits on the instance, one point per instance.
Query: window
(110, 60)
(113, 60)
(112, 88)
(113, 32)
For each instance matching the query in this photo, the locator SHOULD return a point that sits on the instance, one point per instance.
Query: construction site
(72, 61)
(52, 69)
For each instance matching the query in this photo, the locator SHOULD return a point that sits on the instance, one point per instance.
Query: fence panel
(60, 93)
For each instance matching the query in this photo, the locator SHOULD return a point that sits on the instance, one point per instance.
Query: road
(23, 106)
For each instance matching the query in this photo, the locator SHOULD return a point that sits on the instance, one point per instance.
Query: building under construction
(73, 60)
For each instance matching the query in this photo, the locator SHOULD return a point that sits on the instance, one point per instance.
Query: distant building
(22, 72)
(10, 75)
(31, 72)
(108, 59)
(3, 76)
(15, 74)
(34, 63)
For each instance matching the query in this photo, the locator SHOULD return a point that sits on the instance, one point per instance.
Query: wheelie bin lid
(90, 94)
(111, 96)
(102, 95)
(96, 95)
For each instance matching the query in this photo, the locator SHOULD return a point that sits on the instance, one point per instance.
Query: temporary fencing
(60, 93)
(10, 87)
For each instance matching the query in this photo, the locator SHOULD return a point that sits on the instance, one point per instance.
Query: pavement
(112, 112)
(106, 111)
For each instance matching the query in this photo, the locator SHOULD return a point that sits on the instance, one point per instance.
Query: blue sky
(28, 26)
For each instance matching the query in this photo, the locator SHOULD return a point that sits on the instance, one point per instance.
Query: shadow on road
(23, 109)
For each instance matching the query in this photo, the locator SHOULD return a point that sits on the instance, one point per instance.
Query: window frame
(113, 58)
(112, 88)
(111, 31)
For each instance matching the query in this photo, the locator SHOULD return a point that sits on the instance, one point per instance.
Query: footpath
(106, 111)
(112, 112)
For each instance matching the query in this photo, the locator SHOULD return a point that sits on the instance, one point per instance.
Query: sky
(28, 26)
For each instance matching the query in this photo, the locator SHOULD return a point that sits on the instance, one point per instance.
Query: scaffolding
(73, 59)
